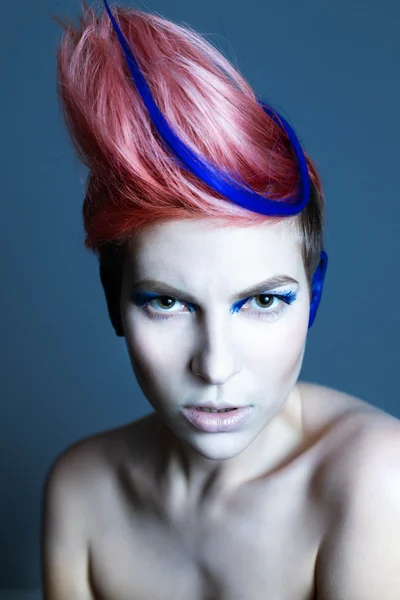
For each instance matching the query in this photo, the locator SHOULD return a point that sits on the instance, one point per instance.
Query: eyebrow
(268, 285)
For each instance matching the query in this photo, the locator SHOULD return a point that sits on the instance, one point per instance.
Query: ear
(112, 282)
(317, 286)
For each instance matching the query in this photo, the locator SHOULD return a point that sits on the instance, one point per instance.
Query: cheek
(144, 347)
(279, 359)
(289, 353)
(146, 357)
(154, 355)
(277, 349)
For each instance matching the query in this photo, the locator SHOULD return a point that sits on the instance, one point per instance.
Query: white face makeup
(209, 343)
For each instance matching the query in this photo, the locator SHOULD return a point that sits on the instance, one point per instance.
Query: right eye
(150, 302)
(164, 302)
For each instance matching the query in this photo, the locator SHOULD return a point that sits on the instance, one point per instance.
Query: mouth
(213, 420)
(214, 410)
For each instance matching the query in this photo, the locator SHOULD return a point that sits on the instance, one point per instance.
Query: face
(210, 340)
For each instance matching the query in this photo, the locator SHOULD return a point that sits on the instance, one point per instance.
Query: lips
(218, 422)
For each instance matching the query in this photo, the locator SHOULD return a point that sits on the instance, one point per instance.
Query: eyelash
(285, 300)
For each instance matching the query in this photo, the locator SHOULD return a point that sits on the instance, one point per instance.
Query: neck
(189, 479)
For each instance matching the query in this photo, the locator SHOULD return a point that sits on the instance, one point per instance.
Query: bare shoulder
(359, 439)
(90, 470)
(324, 404)
(360, 488)
(66, 523)
(80, 482)
(97, 455)
(72, 478)
(337, 413)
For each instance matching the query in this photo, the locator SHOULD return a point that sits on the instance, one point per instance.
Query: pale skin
(302, 502)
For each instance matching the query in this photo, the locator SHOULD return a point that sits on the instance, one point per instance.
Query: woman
(206, 216)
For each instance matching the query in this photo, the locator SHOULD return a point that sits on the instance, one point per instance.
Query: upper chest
(263, 544)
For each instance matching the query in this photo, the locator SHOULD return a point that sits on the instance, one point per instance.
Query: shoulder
(322, 403)
(69, 482)
(358, 558)
(79, 483)
(81, 463)
(368, 447)
(355, 434)
(339, 418)
(93, 463)
(67, 520)
(353, 441)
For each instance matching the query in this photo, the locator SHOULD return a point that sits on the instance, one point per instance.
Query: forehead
(206, 249)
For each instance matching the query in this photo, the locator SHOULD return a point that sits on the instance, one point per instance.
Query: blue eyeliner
(287, 297)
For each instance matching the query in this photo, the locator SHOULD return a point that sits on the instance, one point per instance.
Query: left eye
(266, 303)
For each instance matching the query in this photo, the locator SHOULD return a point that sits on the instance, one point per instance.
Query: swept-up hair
(134, 181)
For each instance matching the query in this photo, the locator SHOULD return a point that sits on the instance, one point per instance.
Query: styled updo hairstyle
(134, 181)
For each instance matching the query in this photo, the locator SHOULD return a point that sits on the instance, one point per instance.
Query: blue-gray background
(333, 70)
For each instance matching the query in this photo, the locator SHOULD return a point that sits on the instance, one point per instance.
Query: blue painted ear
(316, 287)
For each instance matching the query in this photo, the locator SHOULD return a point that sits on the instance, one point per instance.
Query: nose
(216, 358)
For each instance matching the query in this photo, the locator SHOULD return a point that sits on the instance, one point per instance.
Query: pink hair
(134, 181)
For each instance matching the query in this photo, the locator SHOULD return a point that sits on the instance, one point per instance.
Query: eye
(159, 306)
(165, 301)
(163, 307)
(269, 306)
(267, 300)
